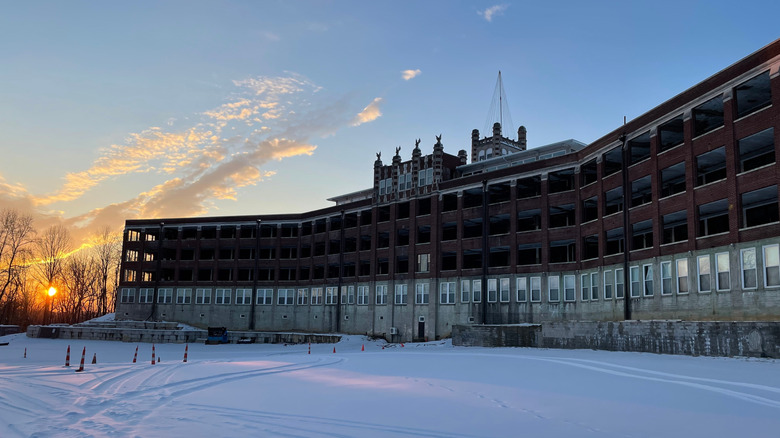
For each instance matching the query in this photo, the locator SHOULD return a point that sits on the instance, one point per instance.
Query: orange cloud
(369, 113)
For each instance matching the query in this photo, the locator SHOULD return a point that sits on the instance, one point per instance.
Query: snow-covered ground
(420, 390)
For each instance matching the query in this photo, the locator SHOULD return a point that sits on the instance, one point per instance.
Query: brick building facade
(677, 209)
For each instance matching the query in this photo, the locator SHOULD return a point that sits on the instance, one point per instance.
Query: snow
(419, 390)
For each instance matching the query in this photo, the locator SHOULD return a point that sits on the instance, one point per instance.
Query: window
(347, 294)
(127, 295)
(772, 266)
(529, 254)
(264, 297)
(449, 231)
(642, 235)
(608, 282)
(472, 258)
(708, 116)
(492, 290)
(536, 289)
(704, 269)
(303, 297)
(553, 288)
(316, 296)
(522, 289)
(498, 193)
(449, 260)
(331, 295)
(562, 215)
(757, 150)
(635, 281)
(402, 237)
(641, 191)
(164, 295)
(749, 276)
(584, 287)
(133, 236)
(285, 297)
(666, 278)
(613, 201)
(381, 294)
(498, 256)
(503, 294)
(465, 291)
(569, 291)
(723, 271)
(588, 172)
(243, 296)
(639, 148)
(202, 296)
(529, 220)
(146, 295)
(675, 227)
(183, 296)
(563, 251)
(671, 133)
(477, 290)
(447, 292)
(423, 234)
(673, 180)
(753, 94)
(613, 161)
(711, 166)
(472, 228)
(423, 262)
(648, 277)
(400, 294)
(760, 207)
(362, 295)
(560, 181)
(131, 255)
(449, 202)
(590, 209)
(619, 288)
(472, 198)
(682, 276)
(130, 275)
(222, 296)
(594, 285)
(713, 218)
(499, 224)
(529, 187)
(615, 241)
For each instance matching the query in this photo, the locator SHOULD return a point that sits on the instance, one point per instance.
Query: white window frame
(635, 270)
(476, 291)
(145, 295)
(521, 289)
(492, 290)
(770, 261)
(285, 297)
(302, 296)
(666, 277)
(243, 296)
(331, 295)
(447, 292)
(423, 263)
(127, 295)
(609, 285)
(316, 296)
(165, 295)
(620, 284)
(647, 276)
(681, 266)
(222, 296)
(400, 294)
(594, 286)
(536, 289)
(718, 258)
(183, 295)
(569, 288)
(362, 295)
(465, 291)
(422, 293)
(265, 297)
(203, 295)
(703, 267)
(584, 287)
(553, 284)
(381, 294)
(504, 292)
(744, 270)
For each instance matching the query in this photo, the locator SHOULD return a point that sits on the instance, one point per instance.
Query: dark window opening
(563, 251)
(449, 231)
(753, 94)
(187, 254)
(713, 218)
(189, 233)
(319, 272)
(303, 273)
(708, 116)
(639, 148)
(498, 256)
(529, 220)
(335, 223)
(402, 237)
(612, 161)
(472, 198)
(423, 206)
(590, 247)
(424, 234)
(588, 173)
(498, 193)
(590, 209)
(529, 254)
(349, 269)
(449, 261)
(402, 210)
(245, 274)
(266, 274)
(641, 191)
(675, 227)
(208, 233)
(167, 274)
(207, 254)
(268, 231)
(306, 229)
(382, 266)
(529, 187)
(499, 224)
(225, 275)
(289, 230)
(333, 271)
(227, 233)
(759, 207)
(560, 181)
(267, 253)
(757, 150)
(246, 253)
(288, 252)
(383, 239)
(168, 254)
(711, 166)
(562, 216)
(472, 258)
(305, 251)
(334, 246)
(365, 242)
(365, 268)
(170, 233)
(615, 241)
(226, 254)
(320, 226)
(383, 213)
(401, 264)
(613, 201)
(642, 235)
(319, 249)
(248, 232)
(673, 180)
(365, 217)
(204, 274)
(671, 133)
(472, 228)
(286, 274)
(350, 244)
(350, 220)
(185, 274)
(449, 202)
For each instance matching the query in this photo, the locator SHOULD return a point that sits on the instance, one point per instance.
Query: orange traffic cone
(334, 349)
(25, 353)
(135, 356)
(153, 360)
(309, 347)
(402, 344)
(81, 367)
(363, 347)
(94, 359)
(186, 347)
(67, 357)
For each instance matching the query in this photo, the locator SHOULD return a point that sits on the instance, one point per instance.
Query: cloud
(410, 74)
(369, 113)
(492, 11)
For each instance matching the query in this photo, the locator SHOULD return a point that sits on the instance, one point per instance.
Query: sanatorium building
(676, 210)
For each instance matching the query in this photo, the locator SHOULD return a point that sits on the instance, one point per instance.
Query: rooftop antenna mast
(499, 110)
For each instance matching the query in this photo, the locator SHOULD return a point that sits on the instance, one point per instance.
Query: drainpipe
(485, 250)
(254, 277)
(626, 224)
(341, 268)
(159, 273)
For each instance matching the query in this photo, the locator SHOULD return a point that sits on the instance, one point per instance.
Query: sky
(148, 109)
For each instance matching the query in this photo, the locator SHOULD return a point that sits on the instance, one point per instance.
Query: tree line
(32, 262)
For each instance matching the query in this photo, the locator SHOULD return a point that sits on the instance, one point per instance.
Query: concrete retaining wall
(696, 338)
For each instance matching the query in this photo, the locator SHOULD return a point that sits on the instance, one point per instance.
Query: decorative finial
(438, 138)
(379, 155)
(417, 143)
(397, 150)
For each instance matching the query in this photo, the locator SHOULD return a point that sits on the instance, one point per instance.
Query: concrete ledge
(696, 338)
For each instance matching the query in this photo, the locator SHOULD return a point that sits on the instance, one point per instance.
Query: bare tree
(106, 251)
(80, 276)
(16, 238)
(52, 247)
